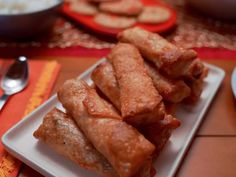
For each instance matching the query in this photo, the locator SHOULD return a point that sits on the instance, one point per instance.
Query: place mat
(193, 31)
(197, 30)
(43, 74)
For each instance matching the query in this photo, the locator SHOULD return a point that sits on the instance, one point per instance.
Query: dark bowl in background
(222, 9)
(30, 24)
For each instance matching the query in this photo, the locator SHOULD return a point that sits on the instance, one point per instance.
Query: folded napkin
(43, 74)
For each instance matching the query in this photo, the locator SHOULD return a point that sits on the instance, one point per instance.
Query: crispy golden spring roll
(159, 133)
(151, 45)
(180, 68)
(61, 133)
(139, 100)
(104, 78)
(196, 90)
(196, 86)
(123, 146)
(172, 60)
(196, 71)
(173, 91)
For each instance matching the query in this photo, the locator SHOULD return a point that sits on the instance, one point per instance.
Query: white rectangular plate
(19, 140)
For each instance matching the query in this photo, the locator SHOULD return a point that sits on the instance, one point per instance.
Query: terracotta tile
(221, 116)
(210, 157)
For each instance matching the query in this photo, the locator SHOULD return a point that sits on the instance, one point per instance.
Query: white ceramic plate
(20, 142)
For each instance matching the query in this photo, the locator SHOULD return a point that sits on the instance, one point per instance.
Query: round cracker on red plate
(99, 1)
(83, 7)
(154, 15)
(122, 7)
(114, 21)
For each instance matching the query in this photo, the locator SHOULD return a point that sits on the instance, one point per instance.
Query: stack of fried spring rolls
(127, 65)
(158, 133)
(124, 147)
(88, 107)
(170, 60)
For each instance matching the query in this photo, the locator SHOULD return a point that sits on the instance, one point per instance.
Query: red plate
(89, 22)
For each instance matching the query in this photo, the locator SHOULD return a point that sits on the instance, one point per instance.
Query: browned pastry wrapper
(196, 86)
(61, 133)
(173, 61)
(139, 99)
(173, 91)
(123, 146)
(181, 68)
(159, 133)
(196, 90)
(195, 71)
(151, 45)
(104, 78)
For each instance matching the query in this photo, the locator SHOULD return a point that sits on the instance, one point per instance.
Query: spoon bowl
(15, 79)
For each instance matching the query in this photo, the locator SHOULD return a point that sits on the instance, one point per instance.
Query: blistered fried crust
(138, 96)
(171, 90)
(104, 78)
(159, 133)
(124, 147)
(173, 61)
(196, 70)
(182, 66)
(99, 108)
(196, 90)
(151, 45)
(61, 133)
(122, 7)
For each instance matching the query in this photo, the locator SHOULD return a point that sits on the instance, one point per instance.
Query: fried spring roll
(123, 146)
(196, 90)
(173, 91)
(196, 70)
(172, 60)
(104, 78)
(159, 133)
(61, 133)
(181, 68)
(196, 86)
(151, 45)
(139, 99)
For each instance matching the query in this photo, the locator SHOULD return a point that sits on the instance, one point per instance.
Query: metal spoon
(15, 79)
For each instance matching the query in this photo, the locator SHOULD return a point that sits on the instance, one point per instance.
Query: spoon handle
(3, 100)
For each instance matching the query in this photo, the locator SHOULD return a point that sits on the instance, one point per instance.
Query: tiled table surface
(213, 151)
